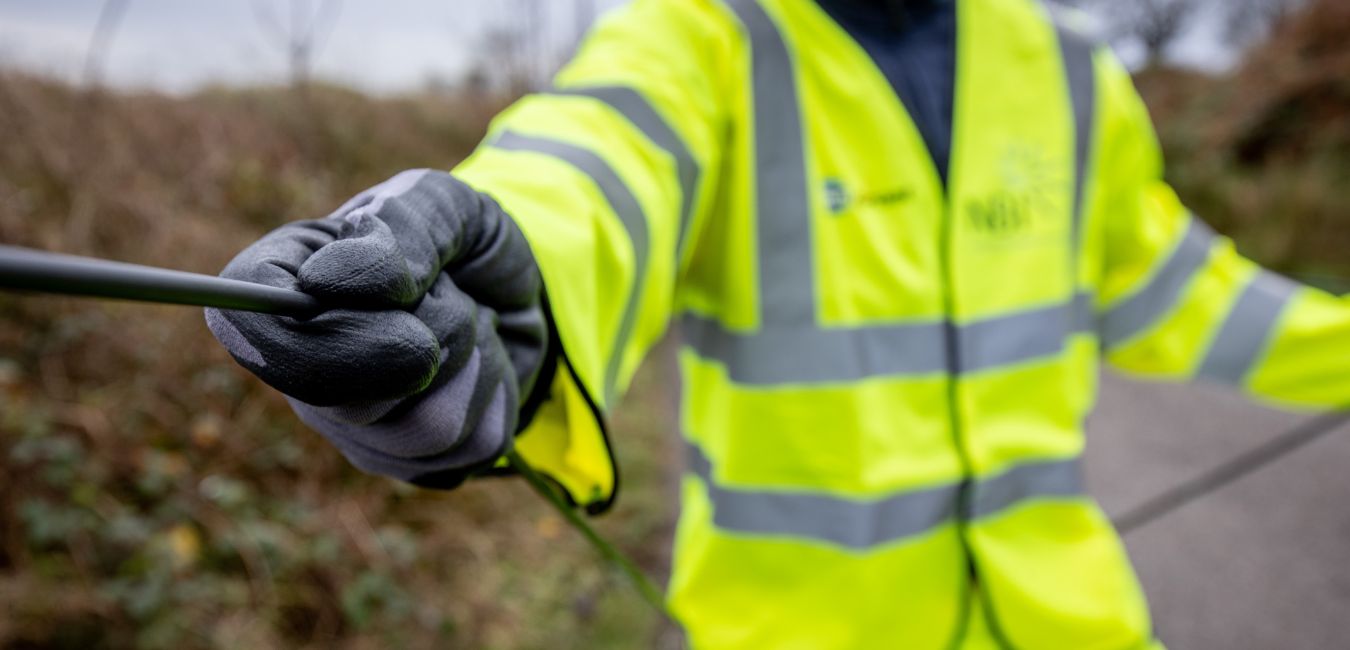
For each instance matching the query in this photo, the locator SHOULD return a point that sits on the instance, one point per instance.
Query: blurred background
(156, 496)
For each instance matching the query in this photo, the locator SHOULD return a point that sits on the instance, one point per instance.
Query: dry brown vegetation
(1264, 153)
(156, 496)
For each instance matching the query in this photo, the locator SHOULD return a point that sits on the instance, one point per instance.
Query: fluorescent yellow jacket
(886, 379)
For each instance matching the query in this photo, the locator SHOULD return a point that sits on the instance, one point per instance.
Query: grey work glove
(432, 332)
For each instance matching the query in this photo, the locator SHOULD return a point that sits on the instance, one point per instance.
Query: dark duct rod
(30, 270)
(40, 271)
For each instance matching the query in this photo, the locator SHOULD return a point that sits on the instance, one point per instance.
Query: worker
(896, 238)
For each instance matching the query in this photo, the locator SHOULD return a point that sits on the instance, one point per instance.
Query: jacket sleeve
(1178, 302)
(605, 174)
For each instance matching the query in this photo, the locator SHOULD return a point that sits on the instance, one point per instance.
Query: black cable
(1231, 470)
(644, 584)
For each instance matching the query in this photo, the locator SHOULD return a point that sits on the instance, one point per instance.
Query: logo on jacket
(838, 197)
(1031, 197)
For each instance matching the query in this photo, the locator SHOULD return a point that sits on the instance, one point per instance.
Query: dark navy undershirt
(913, 42)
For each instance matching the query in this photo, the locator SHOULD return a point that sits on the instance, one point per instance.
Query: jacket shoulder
(1075, 23)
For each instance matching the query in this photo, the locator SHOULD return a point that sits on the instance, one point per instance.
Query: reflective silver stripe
(1076, 52)
(1021, 336)
(853, 523)
(787, 295)
(637, 110)
(778, 356)
(1163, 292)
(790, 347)
(1034, 480)
(624, 204)
(1247, 331)
(862, 524)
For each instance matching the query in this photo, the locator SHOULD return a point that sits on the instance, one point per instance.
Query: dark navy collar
(913, 43)
(884, 14)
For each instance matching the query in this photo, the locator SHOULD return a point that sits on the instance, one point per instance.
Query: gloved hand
(433, 327)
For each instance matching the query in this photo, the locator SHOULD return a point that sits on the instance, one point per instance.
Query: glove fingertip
(365, 268)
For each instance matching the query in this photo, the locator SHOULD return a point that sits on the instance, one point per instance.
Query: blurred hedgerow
(156, 496)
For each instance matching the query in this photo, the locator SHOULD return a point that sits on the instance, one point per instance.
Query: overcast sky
(383, 46)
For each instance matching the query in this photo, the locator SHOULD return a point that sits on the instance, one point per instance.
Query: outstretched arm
(1178, 302)
(436, 340)
(606, 174)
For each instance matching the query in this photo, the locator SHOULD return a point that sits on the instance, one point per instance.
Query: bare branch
(268, 22)
(1251, 20)
(302, 36)
(1156, 24)
(109, 18)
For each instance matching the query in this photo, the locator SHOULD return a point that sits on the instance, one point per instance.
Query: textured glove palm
(433, 329)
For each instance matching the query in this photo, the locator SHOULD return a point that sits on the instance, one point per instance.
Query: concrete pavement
(1262, 564)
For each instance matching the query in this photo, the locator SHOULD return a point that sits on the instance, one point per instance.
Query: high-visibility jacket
(886, 378)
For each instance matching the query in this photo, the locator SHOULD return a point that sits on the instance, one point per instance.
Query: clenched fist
(433, 327)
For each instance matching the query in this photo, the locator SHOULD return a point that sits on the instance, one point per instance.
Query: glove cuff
(542, 386)
(450, 479)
